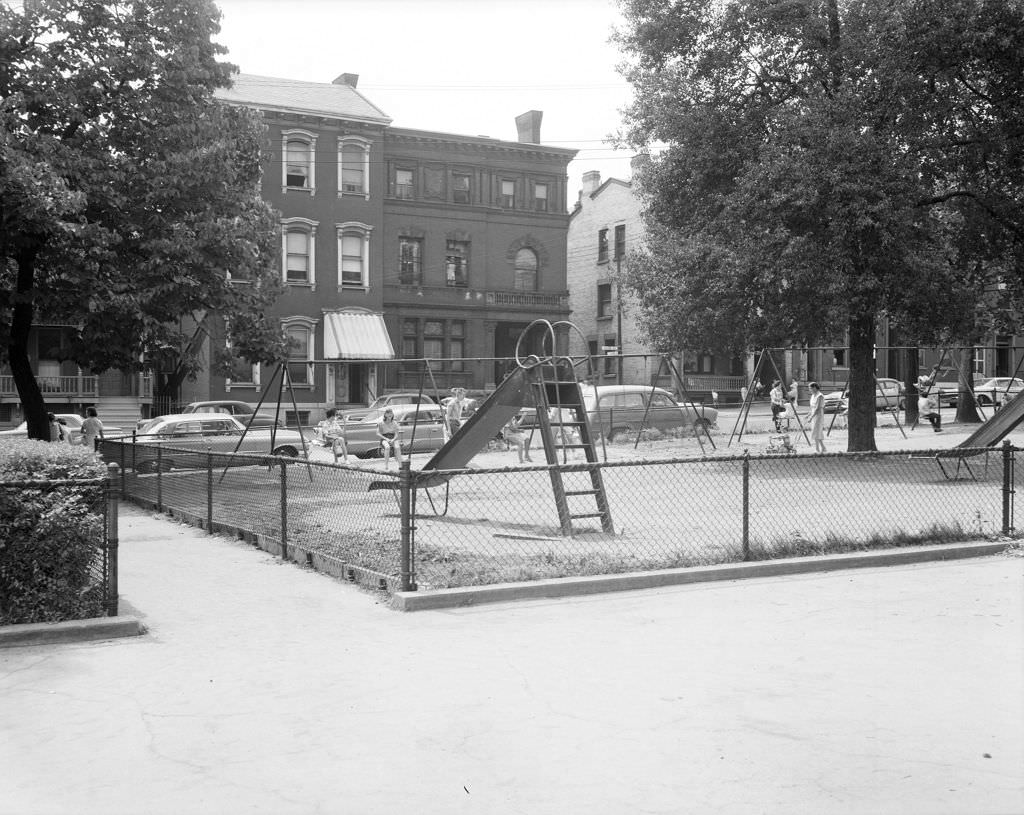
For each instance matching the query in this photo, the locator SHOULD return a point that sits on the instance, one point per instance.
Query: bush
(51, 537)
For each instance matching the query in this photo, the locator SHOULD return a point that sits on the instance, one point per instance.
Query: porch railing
(73, 386)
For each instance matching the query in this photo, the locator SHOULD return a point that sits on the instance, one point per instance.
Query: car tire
(984, 401)
(287, 451)
(145, 467)
(702, 425)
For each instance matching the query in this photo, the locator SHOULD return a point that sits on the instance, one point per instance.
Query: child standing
(515, 436)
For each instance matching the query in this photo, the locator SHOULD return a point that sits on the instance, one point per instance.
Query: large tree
(817, 164)
(129, 200)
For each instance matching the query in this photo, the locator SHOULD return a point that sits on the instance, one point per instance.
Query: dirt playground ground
(501, 521)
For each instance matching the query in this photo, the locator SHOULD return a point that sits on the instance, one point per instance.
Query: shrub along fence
(426, 530)
(58, 549)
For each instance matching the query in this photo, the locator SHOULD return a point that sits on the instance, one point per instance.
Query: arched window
(353, 255)
(526, 270)
(298, 170)
(298, 252)
(354, 166)
(299, 333)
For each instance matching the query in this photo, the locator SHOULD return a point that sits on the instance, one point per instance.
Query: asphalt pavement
(263, 687)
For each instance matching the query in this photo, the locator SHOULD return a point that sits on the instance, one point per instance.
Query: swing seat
(425, 485)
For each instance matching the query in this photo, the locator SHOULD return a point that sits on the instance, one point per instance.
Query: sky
(457, 66)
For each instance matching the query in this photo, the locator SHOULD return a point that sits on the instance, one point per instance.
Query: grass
(833, 544)
(442, 567)
(502, 526)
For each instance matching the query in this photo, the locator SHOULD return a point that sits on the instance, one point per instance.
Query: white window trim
(310, 325)
(356, 141)
(310, 139)
(310, 227)
(253, 384)
(364, 230)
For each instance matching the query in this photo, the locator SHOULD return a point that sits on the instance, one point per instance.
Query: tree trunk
(862, 384)
(966, 409)
(17, 349)
(911, 416)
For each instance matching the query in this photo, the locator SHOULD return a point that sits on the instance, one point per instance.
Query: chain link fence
(427, 530)
(503, 525)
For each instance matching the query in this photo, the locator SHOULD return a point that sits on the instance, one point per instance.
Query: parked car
(995, 391)
(425, 419)
(373, 411)
(72, 426)
(616, 410)
(890, 394)
(949, 392)
(242, 411)
(179, 433)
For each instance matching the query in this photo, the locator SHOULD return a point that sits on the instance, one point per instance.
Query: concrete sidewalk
(265, 687)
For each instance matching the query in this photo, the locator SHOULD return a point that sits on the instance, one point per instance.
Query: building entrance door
(351, 385)
(357, 383)
(506, 335)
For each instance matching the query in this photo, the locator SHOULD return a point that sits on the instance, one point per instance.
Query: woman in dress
(92, 429)
(387, 432)
(816, 417)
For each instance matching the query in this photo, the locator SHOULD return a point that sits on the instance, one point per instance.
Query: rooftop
(337, 101)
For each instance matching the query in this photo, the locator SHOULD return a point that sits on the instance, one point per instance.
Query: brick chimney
(591, 181)
(352, 80)
(528, 125)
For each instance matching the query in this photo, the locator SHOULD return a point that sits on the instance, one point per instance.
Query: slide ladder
(562, 416)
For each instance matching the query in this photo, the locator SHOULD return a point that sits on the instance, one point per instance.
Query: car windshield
(151, 426)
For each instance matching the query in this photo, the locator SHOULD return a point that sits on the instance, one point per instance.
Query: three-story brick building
(400, 243)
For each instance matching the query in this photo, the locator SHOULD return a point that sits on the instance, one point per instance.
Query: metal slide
(493, 414)
(1002, 422)
(987, 435)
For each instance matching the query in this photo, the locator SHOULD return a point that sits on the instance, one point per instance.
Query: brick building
(400, 244)
(474, 235)
(604, 228)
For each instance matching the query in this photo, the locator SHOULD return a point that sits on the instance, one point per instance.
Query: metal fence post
(209, 491)
(124, 486)
(159, 479)
(404, 491)
(1007, 487)
(284, 510)
(746, 505)
(112, 539)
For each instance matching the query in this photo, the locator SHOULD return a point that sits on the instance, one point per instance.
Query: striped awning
(356, 335)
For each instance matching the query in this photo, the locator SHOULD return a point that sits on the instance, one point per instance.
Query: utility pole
(618, 311)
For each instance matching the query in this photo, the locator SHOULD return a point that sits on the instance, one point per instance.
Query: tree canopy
(129, 197)
(813, 165)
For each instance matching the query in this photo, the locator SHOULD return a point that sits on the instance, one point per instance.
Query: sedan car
(890, 394)
(72, 427)
(616, 410)
(996, 391)
(242, 411)
(373, 411)
(420, 428)
(167, 441)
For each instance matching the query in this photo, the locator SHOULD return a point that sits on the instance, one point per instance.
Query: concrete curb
(631, 581)
(95, 628)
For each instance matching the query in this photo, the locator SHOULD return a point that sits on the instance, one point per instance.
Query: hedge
(51, 536)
